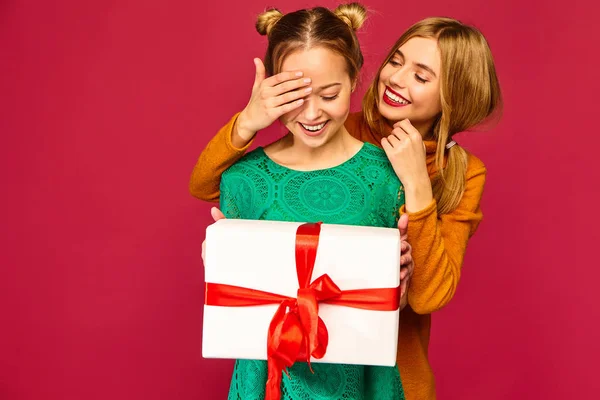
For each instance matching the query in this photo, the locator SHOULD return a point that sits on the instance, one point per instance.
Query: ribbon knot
(296, 331)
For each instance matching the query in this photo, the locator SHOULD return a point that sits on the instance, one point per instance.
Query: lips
(394, 99)
(313, 129)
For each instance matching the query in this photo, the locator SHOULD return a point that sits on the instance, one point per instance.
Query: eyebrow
(330, 85)
(422, 66)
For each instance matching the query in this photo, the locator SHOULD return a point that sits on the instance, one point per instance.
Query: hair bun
(267, 20)
(353, 14)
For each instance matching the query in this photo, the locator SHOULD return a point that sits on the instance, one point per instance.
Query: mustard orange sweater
(438, 241)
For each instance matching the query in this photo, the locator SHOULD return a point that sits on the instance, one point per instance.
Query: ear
(354, 84)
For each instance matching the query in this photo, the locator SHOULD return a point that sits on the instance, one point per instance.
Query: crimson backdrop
(105, 107)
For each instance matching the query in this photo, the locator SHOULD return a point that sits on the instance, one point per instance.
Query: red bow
(296, 331)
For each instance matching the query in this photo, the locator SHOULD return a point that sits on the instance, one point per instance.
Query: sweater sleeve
(218, 155)
(439, 243)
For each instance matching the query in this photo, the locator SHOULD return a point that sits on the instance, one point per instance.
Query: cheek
(427, 96)
(339, 109)
(434, 100)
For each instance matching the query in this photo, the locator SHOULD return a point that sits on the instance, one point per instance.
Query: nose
(398, 78)
(312, 109)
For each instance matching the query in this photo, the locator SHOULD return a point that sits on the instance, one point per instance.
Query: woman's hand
(216, 215)
(405, 149)
(271, 98)
(407, 265)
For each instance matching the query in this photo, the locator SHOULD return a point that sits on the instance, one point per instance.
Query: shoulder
(475, 167)
(354, 120)
(375, 157)
(248, 161)
(357, 126)
(373, 152)
(373, 167)
(469, 205)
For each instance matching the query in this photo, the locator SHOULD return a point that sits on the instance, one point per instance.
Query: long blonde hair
(469, 93)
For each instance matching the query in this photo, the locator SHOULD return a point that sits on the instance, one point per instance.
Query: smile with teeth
(395, 98)
(313, 128)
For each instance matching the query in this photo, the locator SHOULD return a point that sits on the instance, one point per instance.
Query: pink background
(105, 108)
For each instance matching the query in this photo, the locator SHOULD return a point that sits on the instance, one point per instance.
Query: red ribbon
(296, 331)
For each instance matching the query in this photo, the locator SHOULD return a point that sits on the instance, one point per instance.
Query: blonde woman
(438, 79)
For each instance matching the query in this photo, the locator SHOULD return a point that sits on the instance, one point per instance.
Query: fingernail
(308, 90)
(307, 80)
(299, 73)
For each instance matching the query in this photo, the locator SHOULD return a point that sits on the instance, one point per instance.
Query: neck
(293, 153)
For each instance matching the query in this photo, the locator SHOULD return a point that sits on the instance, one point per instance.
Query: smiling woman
(318, 137)
(409, 84)
(317, 172)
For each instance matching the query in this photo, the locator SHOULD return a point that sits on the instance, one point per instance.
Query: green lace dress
(361, 191)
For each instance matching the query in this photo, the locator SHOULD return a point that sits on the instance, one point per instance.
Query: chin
(391, 116)
(314, 143)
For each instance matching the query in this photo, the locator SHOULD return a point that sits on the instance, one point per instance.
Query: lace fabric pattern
(329, 381)
(361, 191)
(364, 191)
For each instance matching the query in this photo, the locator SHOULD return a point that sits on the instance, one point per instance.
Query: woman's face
(409, 84)
(325, 110)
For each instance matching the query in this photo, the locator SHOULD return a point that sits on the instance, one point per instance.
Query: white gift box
(260, 255)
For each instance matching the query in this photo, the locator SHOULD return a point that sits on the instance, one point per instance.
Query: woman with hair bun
(317, 172)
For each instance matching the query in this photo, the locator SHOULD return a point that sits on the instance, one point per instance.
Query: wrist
(418, 195)
(241, 135)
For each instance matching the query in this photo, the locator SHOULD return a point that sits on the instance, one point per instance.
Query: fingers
(410, 131)
(403, 302)
(216, 214)
(204, 251)
(403, 272)
(403, 287)
(291, 85)
(286, 108)
(282, 77)
(406, 259)
(288, 97)
(394, 138)
(385, 144)
(404, 279)
(405, 125)
(406, 248)
(260, 72)
(390, 144)
(403, 227)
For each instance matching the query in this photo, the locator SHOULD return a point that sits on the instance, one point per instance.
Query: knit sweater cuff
(421, 214)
